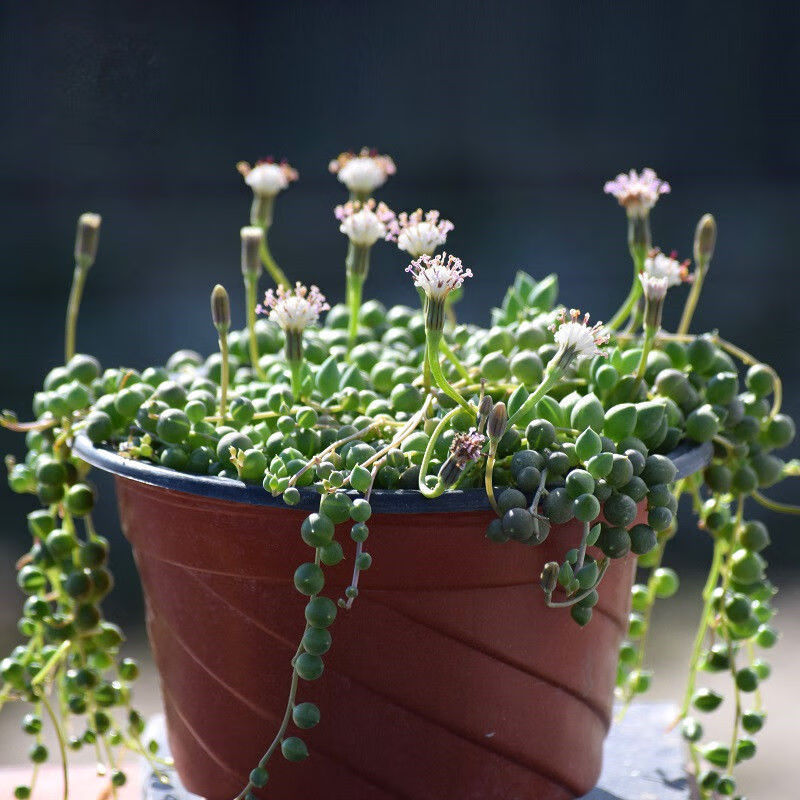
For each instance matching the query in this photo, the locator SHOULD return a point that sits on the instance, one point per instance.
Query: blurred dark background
(507, 117)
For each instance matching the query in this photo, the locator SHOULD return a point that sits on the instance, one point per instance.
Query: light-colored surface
(765, 777)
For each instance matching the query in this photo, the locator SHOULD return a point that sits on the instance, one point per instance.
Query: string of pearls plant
(572, 420)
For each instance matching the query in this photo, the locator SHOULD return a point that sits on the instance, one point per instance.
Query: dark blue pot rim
(688, 457)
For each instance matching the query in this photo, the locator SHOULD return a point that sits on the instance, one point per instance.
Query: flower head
(267, 178)
(467, 447)
(364, 223)
(419, 235)
(658, 265)
(637, 193)
(294, 309)
(362, 173)
(655, 289)
(438, 275)
(574, 336)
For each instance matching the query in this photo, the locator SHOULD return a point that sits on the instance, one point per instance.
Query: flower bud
(450, 472)
(252, 237)
(549, 577)
(497, 422)
(484, 409)
(86, 239)
(705, 238)
(220, 309)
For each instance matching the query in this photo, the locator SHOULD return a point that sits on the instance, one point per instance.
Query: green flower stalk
(705, 238)
(252, 241)
(266, 179)
(574, 338)
(221, 317)
(363, 223)
(637, 194)
(437, 277)
(293, 311)
(655, 290)
(86, 240)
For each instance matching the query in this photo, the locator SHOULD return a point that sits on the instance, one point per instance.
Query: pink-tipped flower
(362, 173)
(438, 275)
(364, 223)
(637, 193)
(419, 235)
(266, 178)
(294, 309)
(659, 265)
(575, 337)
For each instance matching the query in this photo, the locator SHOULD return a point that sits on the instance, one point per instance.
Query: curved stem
(251, 294)
(75, 294)
(627, 306)
(647, 346)
(428, 454)
(578, 597)
(270, 264)
(432, 353)
(488, 480)
(550, 378)
(774, 505)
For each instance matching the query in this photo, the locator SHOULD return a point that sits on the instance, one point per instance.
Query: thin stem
(432, 353)
(774, 505)
(627, 306)
(647, 346)
(62, 748)
(73, 307)
(428, 454)
(42, 674)
(225, 373)
(692, 300)
(296, 369)
(488, 482)
(284, 725)
(251, 294)
(708, 591)
(551, 376)
(269, 262)
(355, 290)
(578, 597)
(453, 359)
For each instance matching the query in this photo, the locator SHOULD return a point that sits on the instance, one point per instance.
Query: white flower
(419, 236)
(267, 178)
(655, 289)
(574, 336)
(637, 193)
(362, 173)
(294, 309)
(657, 265)
(438, 276)
(364, 223)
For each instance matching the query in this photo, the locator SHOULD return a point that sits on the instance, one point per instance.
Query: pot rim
(688, 457)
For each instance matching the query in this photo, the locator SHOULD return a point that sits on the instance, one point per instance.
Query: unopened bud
(484, 409)
(549, 577)
(252, 237)
(705, 238)
(450, 472)
(87, 238)
(497, 422)
(220, 309)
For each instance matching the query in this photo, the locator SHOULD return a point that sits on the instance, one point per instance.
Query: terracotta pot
(448, 679)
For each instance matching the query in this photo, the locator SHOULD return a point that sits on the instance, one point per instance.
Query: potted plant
(499, 485)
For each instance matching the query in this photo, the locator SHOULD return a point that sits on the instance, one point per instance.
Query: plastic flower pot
(449, 678)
